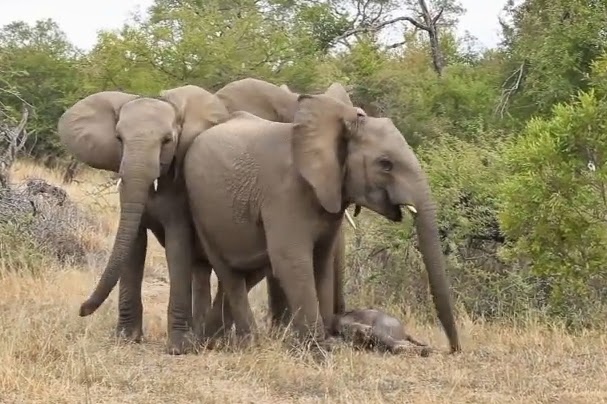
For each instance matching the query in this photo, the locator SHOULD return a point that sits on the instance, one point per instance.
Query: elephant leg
(398, 347)
(234, 286)
(339, 266)
(277, 302)
(281, 314)
(179, 254)
(130, 305)
(291, 259)
(325, 282)
(201, 293)
(220, 318)
(156, 228)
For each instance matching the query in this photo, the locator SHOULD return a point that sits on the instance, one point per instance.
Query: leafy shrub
(554, 204)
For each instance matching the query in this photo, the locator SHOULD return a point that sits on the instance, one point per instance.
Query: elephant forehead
(384, 131)
(149, 110)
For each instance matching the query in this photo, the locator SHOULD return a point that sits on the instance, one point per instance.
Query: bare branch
(395, 45)
(507, 92)
(438, 15)
(14, 139)
(377, 27)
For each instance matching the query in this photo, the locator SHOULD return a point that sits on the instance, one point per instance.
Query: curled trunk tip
(89, 307)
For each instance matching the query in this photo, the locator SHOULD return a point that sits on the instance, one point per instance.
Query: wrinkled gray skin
(278, 104)
(371, 328)
(144, 140)
(279, 195)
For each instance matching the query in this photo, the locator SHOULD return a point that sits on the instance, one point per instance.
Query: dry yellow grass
(50, 355)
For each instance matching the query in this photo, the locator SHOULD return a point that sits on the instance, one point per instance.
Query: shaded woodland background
(513, 138)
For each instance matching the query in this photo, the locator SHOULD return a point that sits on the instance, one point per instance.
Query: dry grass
(50, 355)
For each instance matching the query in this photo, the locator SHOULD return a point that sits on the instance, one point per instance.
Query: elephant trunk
(133, 197)
(429, 244)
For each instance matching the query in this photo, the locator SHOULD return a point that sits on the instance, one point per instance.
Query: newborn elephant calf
(369, 328)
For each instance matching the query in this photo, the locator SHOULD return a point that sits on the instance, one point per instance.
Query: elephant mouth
(395, 212)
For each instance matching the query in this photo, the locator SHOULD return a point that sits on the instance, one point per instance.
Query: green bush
(554, 204)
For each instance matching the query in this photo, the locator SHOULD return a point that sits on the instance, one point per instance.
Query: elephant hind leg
(401, 347)
(414, 341)
(220, 317)
(234, 286)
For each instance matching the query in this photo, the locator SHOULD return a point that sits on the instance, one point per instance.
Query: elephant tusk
(118, 184)
(350, 220)
(156, 185)
(411, 208)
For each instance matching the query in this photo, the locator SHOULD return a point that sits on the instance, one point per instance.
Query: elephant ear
(337, 91)
(197, 111)
(88, 129)
(320, 130)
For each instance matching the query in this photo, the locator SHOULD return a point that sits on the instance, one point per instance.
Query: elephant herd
(251, 182)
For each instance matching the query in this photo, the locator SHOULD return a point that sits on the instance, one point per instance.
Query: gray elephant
(145, 140)
(279, 195)
(275, 103)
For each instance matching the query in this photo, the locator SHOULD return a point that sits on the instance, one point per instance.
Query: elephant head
(141, 139)
(350, 158)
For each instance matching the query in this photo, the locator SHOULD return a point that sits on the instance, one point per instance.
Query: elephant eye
(385, 164)
(166, 140)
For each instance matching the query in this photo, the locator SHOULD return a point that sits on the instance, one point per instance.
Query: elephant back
(260, 98)
(88, 129)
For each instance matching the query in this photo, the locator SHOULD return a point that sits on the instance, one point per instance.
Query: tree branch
(507, 92)
(377, 27)
(438, 15)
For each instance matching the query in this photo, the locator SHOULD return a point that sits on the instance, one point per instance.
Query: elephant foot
(181, 343)
(129, 333)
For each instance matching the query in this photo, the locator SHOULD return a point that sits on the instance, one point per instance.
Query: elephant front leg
(178, 250)
(130, 305)
(278, 305)
(339, 264)
(324, 278)
(201, 294)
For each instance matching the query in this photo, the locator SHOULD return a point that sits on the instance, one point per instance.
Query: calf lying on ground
(371, 328)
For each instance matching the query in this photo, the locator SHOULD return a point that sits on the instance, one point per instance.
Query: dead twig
(13, 141)
(510, 87)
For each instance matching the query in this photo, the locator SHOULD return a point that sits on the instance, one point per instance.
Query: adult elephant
(144, 140)
(276, 103)
(280, 191)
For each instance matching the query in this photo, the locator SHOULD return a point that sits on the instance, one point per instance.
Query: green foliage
(556, 43)
(554, 204)
(44, 73)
